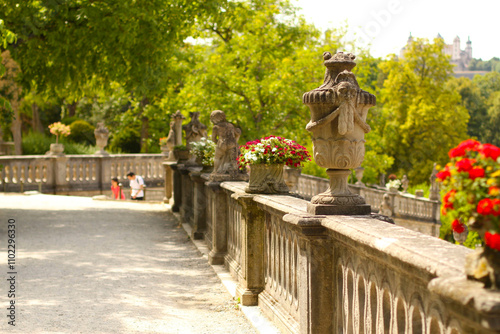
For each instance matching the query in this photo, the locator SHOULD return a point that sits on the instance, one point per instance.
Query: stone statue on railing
(338, 124)
(386, 206)
(434, 190)
(178, 118)
(171, 141)
(405, 183)
(194, 130)
(225, 135)
(101, 138)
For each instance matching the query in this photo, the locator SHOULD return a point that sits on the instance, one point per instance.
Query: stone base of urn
(266, 179)
(338, 199)
(56, 149)
(484, 265)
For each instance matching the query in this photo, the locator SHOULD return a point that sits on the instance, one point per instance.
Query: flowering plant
(163, 141)
(59, 129)
(273, 150)
(204, 150)
(472, 182)
(395, 183)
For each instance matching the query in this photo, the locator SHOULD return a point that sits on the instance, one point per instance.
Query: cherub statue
(225, 135)
(101, 137)
(385, 206)
(195, 130)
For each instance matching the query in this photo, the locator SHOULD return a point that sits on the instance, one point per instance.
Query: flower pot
(267, 179)
(56, 149)
(181, 155)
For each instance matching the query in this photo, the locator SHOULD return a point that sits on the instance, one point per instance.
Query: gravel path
(87, 266)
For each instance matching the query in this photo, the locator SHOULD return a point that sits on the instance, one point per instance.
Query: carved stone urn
(338, 126)
(267, 179)
(101, 137)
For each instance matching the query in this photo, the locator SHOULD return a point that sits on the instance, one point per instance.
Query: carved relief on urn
(338, 125)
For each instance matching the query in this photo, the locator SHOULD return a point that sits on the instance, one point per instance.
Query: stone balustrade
(76, 173)
(404, 205)
(333, 274)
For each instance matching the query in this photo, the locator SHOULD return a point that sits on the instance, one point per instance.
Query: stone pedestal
(219, 223)
(169, 180)
(199, 205)
(186, 208)
(251, 279)
(176, 205)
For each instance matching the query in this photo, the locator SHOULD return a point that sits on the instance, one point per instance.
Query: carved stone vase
(181, 155)
(267, 179)
(56, 149)
(101, 133)
(338, 125)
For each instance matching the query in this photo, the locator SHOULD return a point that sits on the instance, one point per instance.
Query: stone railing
(403, 205)
(75, 173)
(332, 274)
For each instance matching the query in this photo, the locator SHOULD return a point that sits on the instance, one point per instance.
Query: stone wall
(71, 174)
(335, 274)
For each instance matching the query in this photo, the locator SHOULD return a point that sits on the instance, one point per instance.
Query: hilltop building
(460, 58)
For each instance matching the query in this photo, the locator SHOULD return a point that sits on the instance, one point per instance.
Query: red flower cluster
(472, 181)
(457, 226)
(488, 206)
(492, 240)
(273, 150)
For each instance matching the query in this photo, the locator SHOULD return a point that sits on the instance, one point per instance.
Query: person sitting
(116, 189)
(136, 186)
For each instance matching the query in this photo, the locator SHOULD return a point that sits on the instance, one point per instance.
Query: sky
(386, 24)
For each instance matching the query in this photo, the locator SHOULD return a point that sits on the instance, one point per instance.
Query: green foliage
(35, 143)
(423, 118)
(69, 120)
(310, 168)
(481, 65)
(82, 132)
(128, 140)
(422, 186)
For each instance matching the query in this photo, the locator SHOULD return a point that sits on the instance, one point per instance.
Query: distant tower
(456, 49)
(468, 49)
(403, 50)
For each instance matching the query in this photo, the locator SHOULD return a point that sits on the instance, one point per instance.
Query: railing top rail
(134, 155)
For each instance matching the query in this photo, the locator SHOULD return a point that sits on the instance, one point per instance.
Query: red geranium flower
(488, 206)
(490, 151)
(492, 240)
(465, 165)
(474, 173)
(457, 226)
(444, 174)
(470, 144)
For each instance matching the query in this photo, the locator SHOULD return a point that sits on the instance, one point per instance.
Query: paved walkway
(87, 266)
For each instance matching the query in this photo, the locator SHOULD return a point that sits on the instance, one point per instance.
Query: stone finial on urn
(101, 137)
(338, 126)
(225, 135)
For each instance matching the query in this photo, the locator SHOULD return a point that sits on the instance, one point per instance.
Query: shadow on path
(106, 267)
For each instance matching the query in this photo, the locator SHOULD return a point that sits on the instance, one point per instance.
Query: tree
(424, 117)
(11, 92)
(75, 46)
